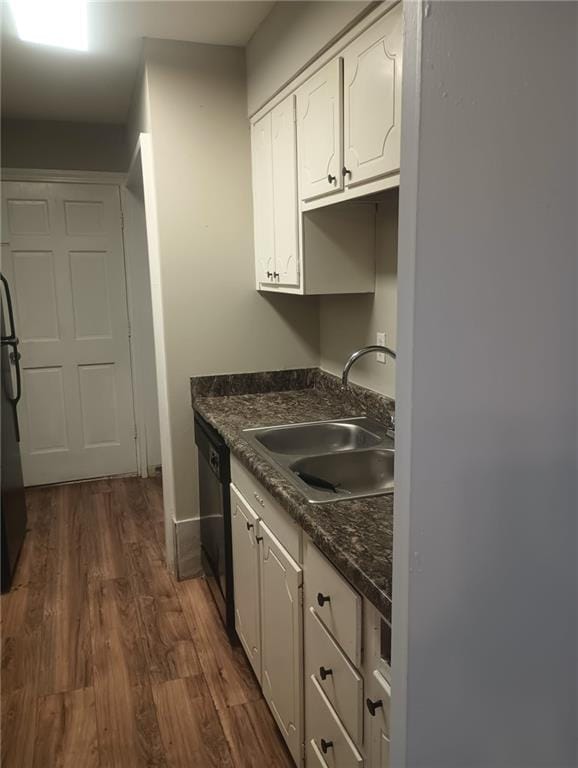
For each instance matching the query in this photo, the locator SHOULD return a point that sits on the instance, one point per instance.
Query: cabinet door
(319, 132)
(263, 221)
(372, 100)
(282, 639)
(285, 211)
(377, 719)
(244, 524)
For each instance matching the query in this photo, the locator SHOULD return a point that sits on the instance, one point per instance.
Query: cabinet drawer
(334, 601)
(279, 522)
(340, 682)
(326, 733)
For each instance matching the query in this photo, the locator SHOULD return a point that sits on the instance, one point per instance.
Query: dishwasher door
(212, 519)
(215, 519)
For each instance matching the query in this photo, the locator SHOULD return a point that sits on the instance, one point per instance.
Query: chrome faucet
(360, 352)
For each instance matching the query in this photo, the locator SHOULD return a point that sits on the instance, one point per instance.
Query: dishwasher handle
(214, 461)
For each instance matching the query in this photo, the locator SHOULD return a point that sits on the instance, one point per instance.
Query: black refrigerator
(13, 512)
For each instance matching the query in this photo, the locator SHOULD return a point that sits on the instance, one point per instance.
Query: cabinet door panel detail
(244, 524)
(319, 118)
(281, 638)
(372, 100)
(284, 158)
(264, 227)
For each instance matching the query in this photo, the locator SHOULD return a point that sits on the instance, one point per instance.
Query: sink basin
(320, 437)
(330, 460)
(354, 474)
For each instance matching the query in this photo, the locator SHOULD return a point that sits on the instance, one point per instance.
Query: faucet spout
(360, 353)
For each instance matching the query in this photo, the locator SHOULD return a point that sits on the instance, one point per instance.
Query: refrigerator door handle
(11, 338)
(15, 360)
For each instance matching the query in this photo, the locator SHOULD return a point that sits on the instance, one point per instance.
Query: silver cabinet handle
(258, 498)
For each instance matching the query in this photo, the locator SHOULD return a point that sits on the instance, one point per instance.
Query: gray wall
(485, 558)
(215, 321)
(63, 146)
(350, 322)
(289, 38)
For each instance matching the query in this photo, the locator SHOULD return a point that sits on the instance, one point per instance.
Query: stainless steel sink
(319, 437)
(330, 460)
(358, 473)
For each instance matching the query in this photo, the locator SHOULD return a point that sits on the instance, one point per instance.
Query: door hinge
(135, 435)
(302, 753)
(122, 221)
(129, 330)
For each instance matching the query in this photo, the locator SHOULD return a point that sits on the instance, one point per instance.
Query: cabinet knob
(325, 746)
(345, 171)
(324, 672)
(373, 706)
(250, 526)
(331, 179)
(322, 599)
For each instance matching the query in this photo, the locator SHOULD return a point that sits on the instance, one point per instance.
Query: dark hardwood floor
(107, 660)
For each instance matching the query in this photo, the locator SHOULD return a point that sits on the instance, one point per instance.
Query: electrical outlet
(381, 340)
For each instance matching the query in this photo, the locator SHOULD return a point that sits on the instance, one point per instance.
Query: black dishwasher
(215, 513)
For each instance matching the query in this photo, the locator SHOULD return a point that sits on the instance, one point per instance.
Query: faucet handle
(390, 430)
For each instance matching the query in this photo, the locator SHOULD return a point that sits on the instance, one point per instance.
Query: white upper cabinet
(372, 66)
(285, 216)
(261, 144)
(319, 132)
(275, 197)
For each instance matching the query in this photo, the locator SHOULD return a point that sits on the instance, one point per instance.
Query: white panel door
(244, 523)
(282, 639)
(285, 216)
(65, 265)
(263, 213)
(319, 132)
(372, 67)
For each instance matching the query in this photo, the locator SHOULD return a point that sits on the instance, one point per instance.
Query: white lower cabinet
(312, 640)
(269, 610)
(244, 523)
(282, 638)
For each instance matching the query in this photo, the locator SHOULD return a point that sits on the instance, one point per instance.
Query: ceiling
(43, 83)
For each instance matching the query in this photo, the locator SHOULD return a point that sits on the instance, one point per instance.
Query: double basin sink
(328, 461)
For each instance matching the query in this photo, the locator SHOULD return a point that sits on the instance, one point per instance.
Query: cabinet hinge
(135, 434)
(122, 221)
(302, 753)
(301, 599)
(129, 330)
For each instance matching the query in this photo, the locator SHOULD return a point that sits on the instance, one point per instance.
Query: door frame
(141, 170)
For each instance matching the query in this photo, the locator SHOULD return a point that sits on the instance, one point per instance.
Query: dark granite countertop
(357, 535)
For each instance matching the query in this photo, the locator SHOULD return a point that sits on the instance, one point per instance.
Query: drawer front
(326, 733)
(314, 756)
(279, 522)
(338, 679)
(334, 601)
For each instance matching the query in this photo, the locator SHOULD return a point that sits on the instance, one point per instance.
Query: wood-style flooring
(107, 660)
